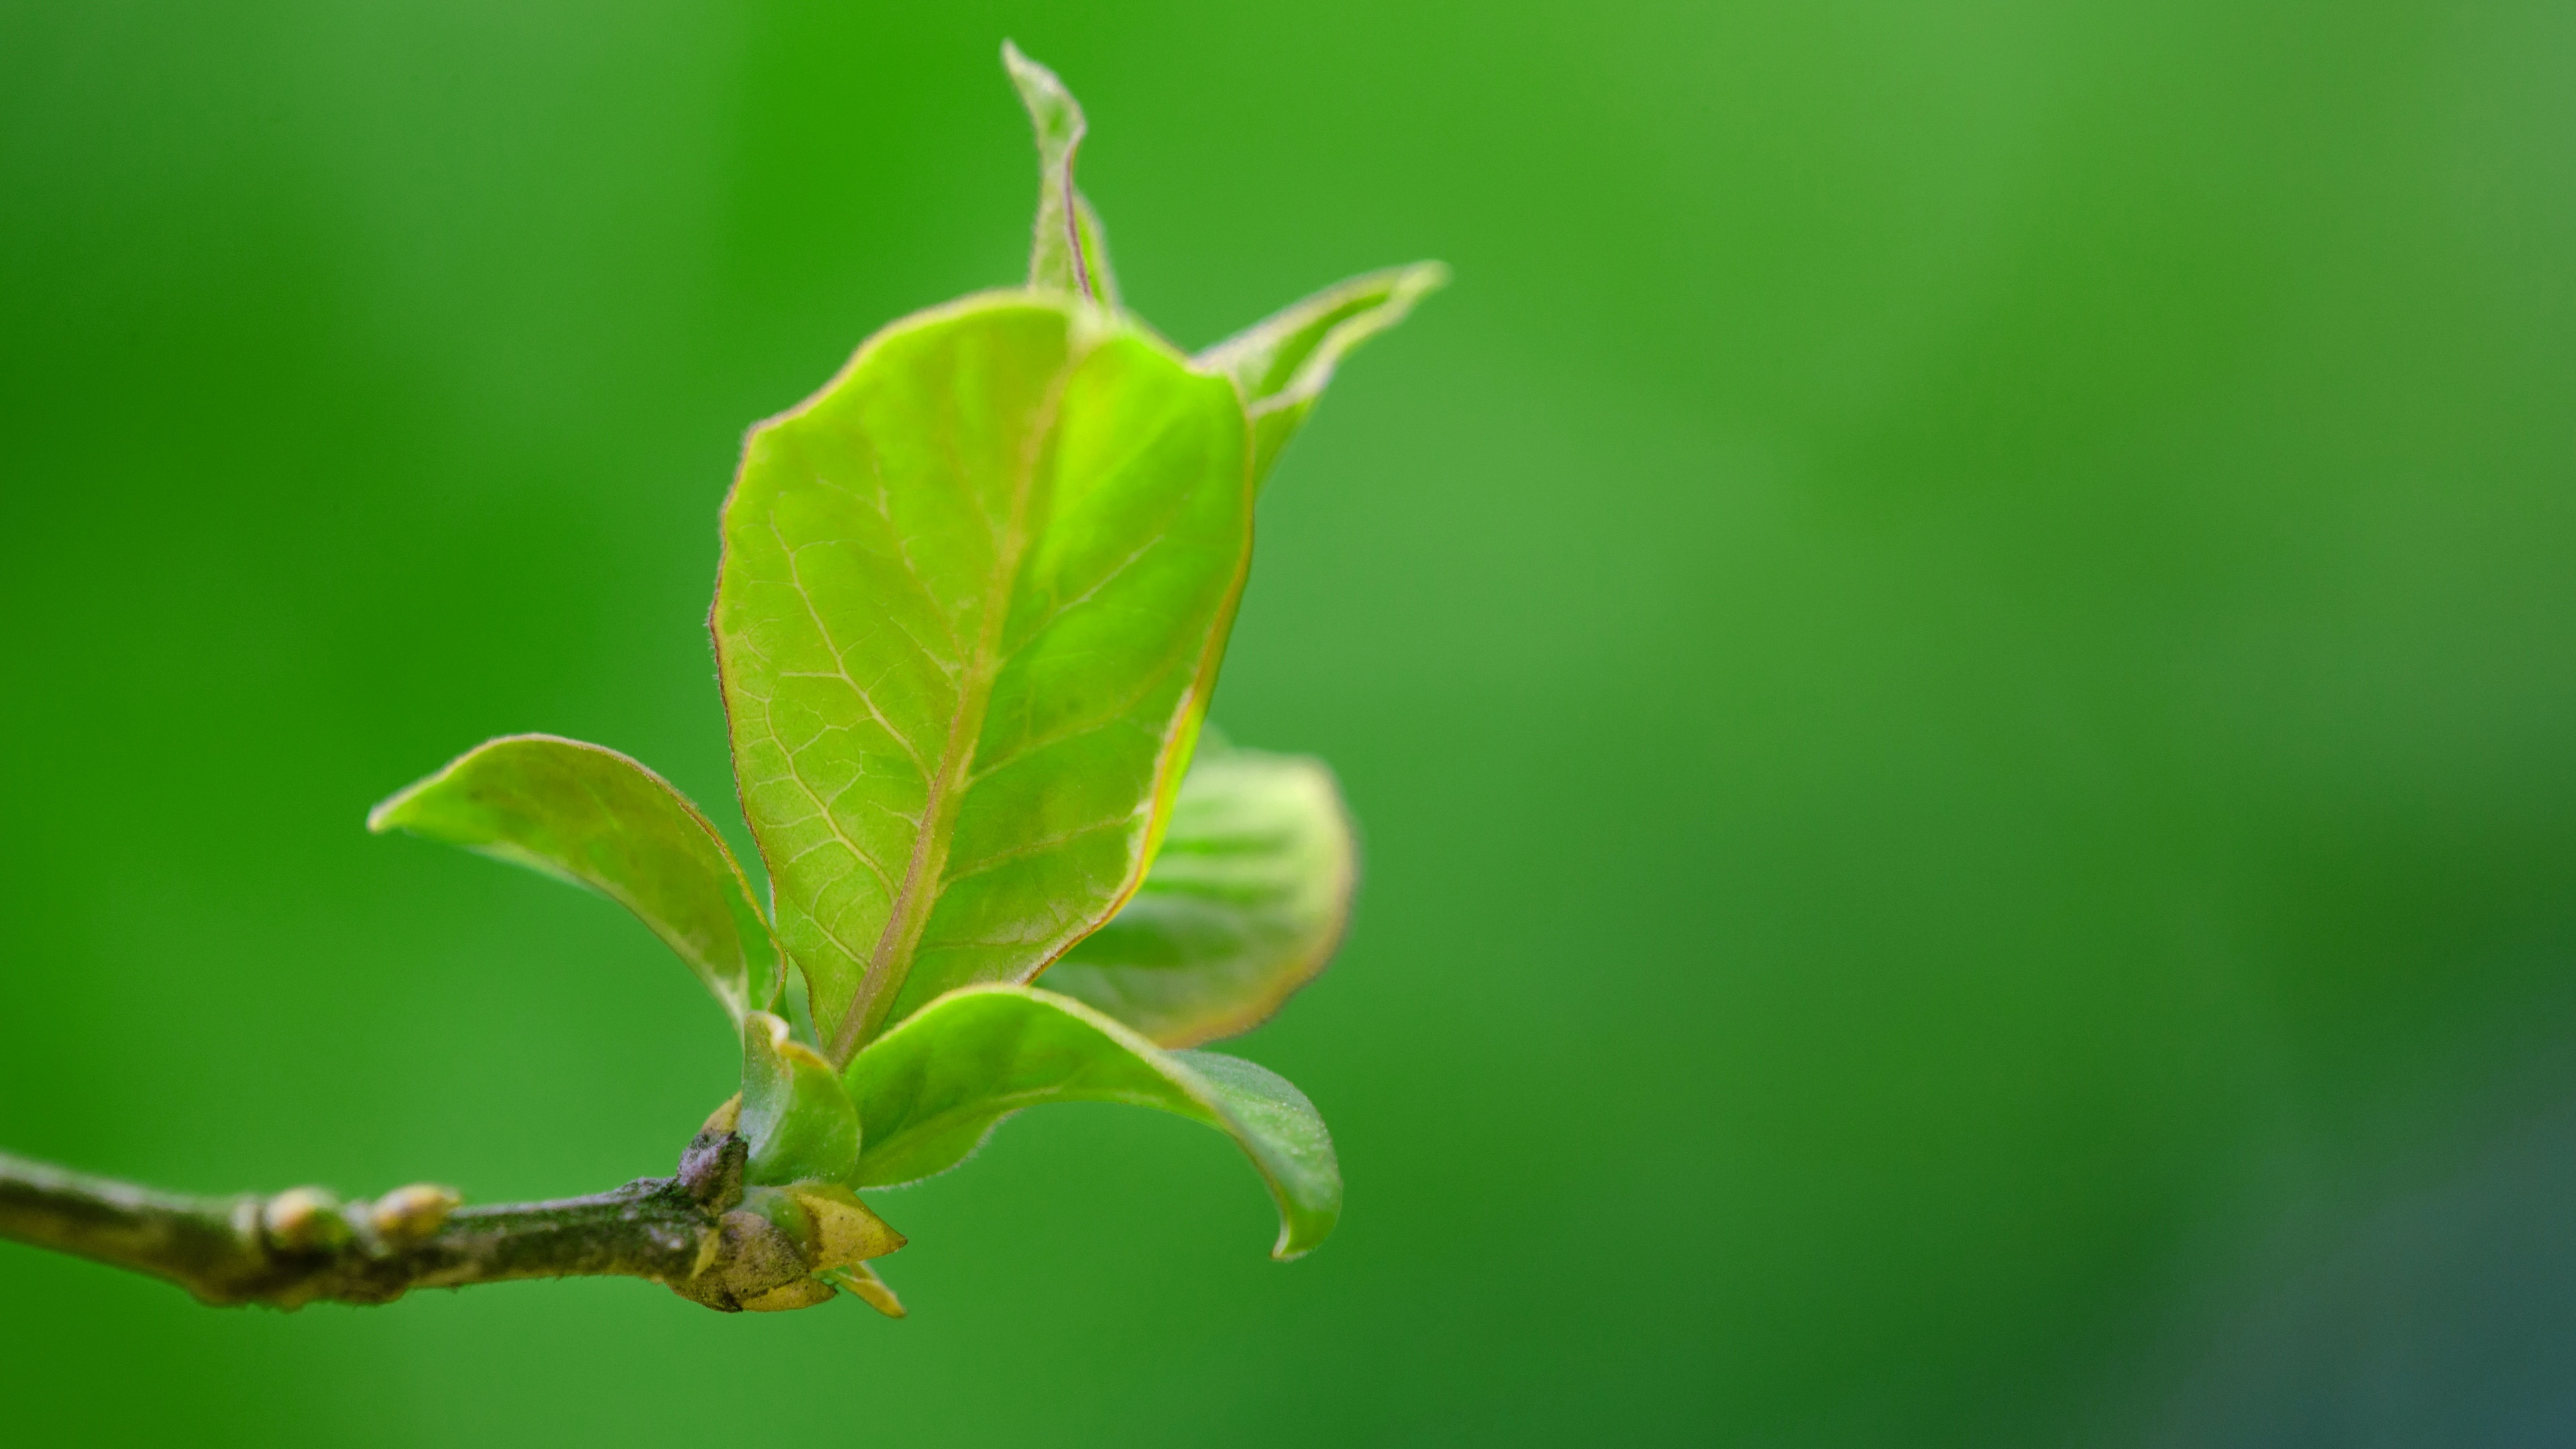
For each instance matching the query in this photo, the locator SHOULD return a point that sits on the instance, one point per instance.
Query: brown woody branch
(303, 1246)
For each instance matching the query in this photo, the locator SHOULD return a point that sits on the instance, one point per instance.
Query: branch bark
(303, 1246)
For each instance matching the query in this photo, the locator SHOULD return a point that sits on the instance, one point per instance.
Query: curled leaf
(1245, 903)
(932, 1088)
(588, 815)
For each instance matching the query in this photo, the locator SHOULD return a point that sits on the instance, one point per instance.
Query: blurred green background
(1955, 650)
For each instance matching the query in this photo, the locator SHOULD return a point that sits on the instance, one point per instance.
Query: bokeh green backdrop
(1955, 648)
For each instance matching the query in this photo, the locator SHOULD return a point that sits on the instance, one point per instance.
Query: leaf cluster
(972, 603)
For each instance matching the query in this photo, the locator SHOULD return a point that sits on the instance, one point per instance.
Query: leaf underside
(970, 606)
(588, 815)
(1245, 903)
(934, 1087)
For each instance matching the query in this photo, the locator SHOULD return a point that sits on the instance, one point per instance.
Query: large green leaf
(1244, 904)
(1068, 249)
(1284, 362)
(972, 597)
(931, 1089)
(589, 815)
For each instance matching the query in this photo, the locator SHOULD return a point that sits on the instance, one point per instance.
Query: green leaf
(1284, 362)
(800, 1124)
(972, 598)
(1245, 903)
(1068, 251)
(591, 816)
(933, 1088)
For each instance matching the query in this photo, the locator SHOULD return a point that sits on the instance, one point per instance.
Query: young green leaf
(970, 606)
(1068, 251)
(589, 815)
(1244, 904)
(933, 1088)
(1284, 362)
(800, 1125)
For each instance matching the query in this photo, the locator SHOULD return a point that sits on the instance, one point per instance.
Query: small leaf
(931, 1089)
(1068, 251)
(968, 616)
(1284, 362)
(591, 816)
(1245, 903)
(801, 1126)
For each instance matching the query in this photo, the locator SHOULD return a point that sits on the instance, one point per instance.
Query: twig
(303, 1246)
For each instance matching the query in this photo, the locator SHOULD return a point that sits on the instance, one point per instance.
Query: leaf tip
(1041, 90)
(387, 814)
(861, 1282)
(1301, 1235)
(1420, 279)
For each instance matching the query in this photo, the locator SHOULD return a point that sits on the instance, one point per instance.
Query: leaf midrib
(1002, 1104)
(881, 982)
